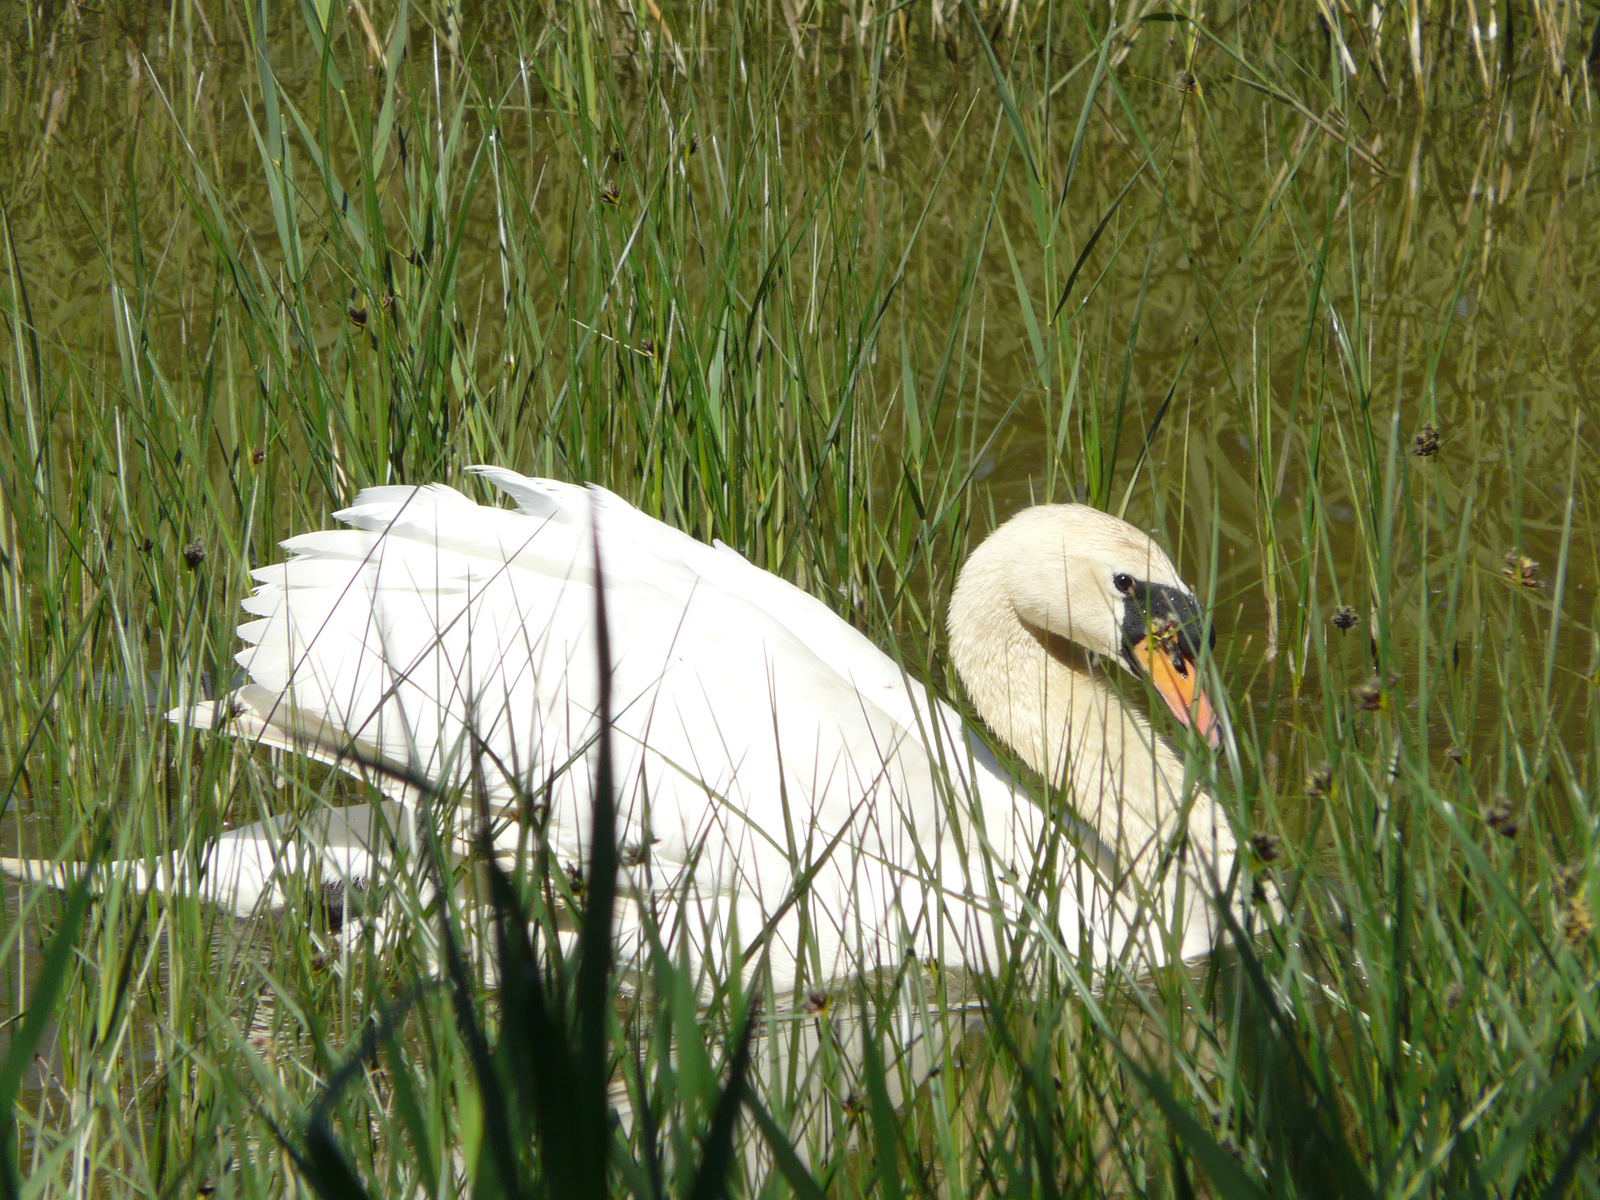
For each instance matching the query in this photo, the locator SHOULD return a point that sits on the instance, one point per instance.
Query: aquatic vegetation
(1306, 293)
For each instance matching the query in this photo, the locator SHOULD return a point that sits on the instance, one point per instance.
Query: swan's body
(248, 869)
(782, 786)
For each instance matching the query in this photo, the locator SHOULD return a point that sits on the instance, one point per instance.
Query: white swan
(783, 787)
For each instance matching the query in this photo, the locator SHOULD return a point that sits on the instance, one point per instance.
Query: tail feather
(36, 870)
(62, 875)
(244, 869)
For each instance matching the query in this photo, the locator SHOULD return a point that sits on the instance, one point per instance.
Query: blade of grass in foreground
(595, 951)
(40, 1011)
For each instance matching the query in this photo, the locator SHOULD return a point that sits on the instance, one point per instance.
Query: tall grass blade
(325, 1168)
(592, 997)
(535, 1044)
(886, 1129)
(36, 1018)
(1093, 238)
(1008, 103)
(1578, 1153)
(1543, 1110)
(794, 1171)
(717, 1154)
(1228, 1176)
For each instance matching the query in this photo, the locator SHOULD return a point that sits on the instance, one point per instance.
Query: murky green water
(1456, 286)
(1266, 322)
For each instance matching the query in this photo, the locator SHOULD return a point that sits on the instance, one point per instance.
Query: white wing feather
(773, 765)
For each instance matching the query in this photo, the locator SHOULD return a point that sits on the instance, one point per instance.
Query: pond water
(1334, 337)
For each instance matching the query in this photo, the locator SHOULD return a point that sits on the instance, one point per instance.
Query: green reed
(842, 287)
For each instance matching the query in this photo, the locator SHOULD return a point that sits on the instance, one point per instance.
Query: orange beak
(1178, 681)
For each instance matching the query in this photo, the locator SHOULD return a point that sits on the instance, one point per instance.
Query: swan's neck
(1041, 694)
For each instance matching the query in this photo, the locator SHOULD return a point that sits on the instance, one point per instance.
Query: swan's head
(1081, 574)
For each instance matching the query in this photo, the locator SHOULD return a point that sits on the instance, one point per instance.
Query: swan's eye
(1123, 582)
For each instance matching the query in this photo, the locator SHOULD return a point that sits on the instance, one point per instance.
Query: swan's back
(777, 775)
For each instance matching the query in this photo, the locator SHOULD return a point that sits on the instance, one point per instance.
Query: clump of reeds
(841, 286)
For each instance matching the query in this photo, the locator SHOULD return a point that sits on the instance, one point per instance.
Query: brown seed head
(611, 194)
(1577, 922)
(194, 554)
(1502, 818)
(1186, 83)
(258, 455)
(575, 880)
(357, 315)
(1426, 443)
(1319, 784)
(1522, 571)
(816, 1003)
(1344, 617)
(632, 854)
(1567, 877)
(1456, 755)
(1370, 694)
(1268, 849)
